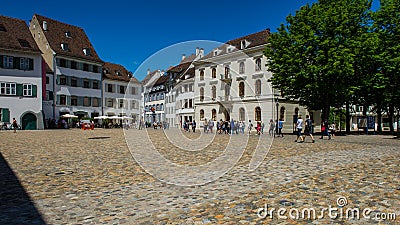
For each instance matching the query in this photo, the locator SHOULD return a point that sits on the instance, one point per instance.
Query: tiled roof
(162, 80)
(15, 35)
(255, 39)
(148, 77)
(77, 40)
(117, 72)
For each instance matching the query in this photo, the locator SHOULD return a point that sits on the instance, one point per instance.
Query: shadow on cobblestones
(16, 205)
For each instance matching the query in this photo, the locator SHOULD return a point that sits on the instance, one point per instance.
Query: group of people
(326, 129)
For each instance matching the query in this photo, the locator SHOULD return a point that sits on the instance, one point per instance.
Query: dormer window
(24, 43)
(243, 44)
(68, 34)
(64, 46)
(215, 52)
(118, 73)
(86, 51)
(2, 28)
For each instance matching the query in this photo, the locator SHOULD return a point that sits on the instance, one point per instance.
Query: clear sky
(134, 33)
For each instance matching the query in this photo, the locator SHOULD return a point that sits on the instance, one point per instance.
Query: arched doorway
(29, 122)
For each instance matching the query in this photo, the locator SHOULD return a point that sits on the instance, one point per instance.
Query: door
(29, 122)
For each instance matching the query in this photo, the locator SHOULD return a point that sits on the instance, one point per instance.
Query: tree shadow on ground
(16, 207)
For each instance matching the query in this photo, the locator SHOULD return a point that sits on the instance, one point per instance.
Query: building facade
(20, 75)
(121, 92)
(74, 70)
(231, 82)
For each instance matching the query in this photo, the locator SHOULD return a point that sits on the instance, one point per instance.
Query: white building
(231, 82)
(20, 75)
(180, 95)
(75, 72)
(153, 96)
(121, 92)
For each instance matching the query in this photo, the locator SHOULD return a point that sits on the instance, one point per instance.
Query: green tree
(387, 25)
(312, 57)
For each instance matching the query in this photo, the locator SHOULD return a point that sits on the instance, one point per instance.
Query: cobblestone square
(90, 177)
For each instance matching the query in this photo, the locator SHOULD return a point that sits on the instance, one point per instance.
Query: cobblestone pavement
(91, 177)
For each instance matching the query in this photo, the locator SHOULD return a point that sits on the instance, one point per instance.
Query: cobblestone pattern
(90, 177)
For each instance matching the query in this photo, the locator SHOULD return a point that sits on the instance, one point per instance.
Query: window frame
(27, 90)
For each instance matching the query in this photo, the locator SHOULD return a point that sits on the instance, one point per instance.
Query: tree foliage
(313, 56)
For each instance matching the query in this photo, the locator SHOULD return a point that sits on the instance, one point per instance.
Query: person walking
(194, 126)
(232, 127)
(250, 126)
(271, 128)
(210, 125)
(299, 126)
(205, 126)
(280, 127)
(325, 130)
(332, 129)
(15, 125)
(237, 127)
(308, 129)
(262, 127)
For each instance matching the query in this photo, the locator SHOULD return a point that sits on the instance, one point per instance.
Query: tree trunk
(348, 118)
(379, 112)
(391, 115)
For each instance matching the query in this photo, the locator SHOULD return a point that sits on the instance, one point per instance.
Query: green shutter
(6, 115)
(58, 80)
(16, 62)
(68, 100)
(1, 61)
(20, 88)
(34, 90)
(58, 100)
(30, 64)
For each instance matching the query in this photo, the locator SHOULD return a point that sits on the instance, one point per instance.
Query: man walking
(309, 128)
(299, 126)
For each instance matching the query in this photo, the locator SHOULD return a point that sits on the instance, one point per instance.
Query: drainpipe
(54, 85)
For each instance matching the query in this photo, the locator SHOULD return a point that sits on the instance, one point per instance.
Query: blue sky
(155, 34)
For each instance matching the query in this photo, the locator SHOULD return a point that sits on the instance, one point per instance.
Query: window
(241, 89)
(95, 69)
(133, 91)
(24, 43)
(214, 114)
(8, 88)
(86, 84)
(27, 89)
(8, 62)
(257, 114)
(68, 34)
(2, 28)
(201, 94)
(63, 100)
(47, 80)
(282, 113)
(74, 65)
(86, 51)
(258, 64)
(63, 80)
(227, 91)
(122, 89)
(243, 44)
(74, 100)
(109, 102)
(63, 63)
(121, 103)
(85, 67)
(201, 114)
(242, 114)
(190, 103)
(214, 73)
(226, 72)
(95, 85)
(96, 102)
(258, 87)
(110, 88)
(214, 92)
(190, 87)
(86, 101)
(74, 82)
(134, 104)
(202, 75)
(64, 46)
(241, 68)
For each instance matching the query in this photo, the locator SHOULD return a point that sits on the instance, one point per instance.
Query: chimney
(148, 71)
(201, 52)
(183, 57)
(197, 51)
(44, 25)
